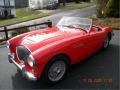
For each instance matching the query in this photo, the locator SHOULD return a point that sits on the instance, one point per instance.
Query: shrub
(19, 31)
(112, 9)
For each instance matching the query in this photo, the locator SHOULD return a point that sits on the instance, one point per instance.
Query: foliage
(107, 8)
(19, 31)
(100, 7)
(112, 22)
(112, 9)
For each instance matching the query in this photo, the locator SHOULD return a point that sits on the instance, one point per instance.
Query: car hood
(41, 35)
(40, 38)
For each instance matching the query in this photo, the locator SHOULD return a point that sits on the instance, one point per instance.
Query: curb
(116, 28)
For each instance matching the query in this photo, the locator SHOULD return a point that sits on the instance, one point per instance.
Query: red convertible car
(47, 53)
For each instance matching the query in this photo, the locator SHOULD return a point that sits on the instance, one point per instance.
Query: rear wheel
(106, 42)
(55, 70)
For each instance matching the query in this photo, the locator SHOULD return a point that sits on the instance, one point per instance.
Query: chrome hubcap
(106, 42)
(57, 71)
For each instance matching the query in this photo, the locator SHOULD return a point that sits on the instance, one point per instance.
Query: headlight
(31, 61)
(22, 53)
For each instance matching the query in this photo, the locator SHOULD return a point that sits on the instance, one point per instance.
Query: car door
(86, 45)
(96, 38)
(81, 48)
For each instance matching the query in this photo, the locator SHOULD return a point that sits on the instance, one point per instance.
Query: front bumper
(21, 67)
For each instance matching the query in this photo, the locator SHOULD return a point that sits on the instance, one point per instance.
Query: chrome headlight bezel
(8, 44)
(31, 61)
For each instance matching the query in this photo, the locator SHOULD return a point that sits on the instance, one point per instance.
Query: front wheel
(55, 70)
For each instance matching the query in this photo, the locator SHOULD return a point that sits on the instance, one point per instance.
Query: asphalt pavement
(100, 71)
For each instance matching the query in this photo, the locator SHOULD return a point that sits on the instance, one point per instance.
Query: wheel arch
(109, 35)
(62, 54)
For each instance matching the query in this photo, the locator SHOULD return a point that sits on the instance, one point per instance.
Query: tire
(55, 70)
(106, 42)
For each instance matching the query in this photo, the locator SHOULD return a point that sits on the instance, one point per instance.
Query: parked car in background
(52, 5)
(40, 4)
(46, 54)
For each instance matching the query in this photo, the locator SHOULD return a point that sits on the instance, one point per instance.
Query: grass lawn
(112, 22)
(22, 15)
(77, 6)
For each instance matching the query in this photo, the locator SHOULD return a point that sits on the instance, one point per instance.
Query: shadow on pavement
(100, 71)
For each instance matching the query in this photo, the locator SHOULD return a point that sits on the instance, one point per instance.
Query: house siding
(21, 3)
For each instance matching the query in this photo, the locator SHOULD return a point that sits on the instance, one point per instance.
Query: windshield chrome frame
(87, 30)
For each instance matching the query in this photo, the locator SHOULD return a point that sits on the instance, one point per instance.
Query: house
(7, 8)
(36, 4)
(40, 4)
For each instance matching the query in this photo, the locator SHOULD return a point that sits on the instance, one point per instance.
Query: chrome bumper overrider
(28, 75)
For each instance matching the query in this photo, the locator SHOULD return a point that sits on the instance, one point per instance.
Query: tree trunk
(100, 7)
(64, 2)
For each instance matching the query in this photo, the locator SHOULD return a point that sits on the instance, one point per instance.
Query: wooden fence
(6, 30)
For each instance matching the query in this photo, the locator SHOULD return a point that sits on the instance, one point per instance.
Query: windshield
(76, 22)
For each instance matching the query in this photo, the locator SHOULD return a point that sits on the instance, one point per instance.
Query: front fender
(44, 55)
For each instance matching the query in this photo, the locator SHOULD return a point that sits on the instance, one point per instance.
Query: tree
(100, 5)
(107, 8)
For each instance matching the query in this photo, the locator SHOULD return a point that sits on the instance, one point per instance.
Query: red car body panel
(47, 43)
